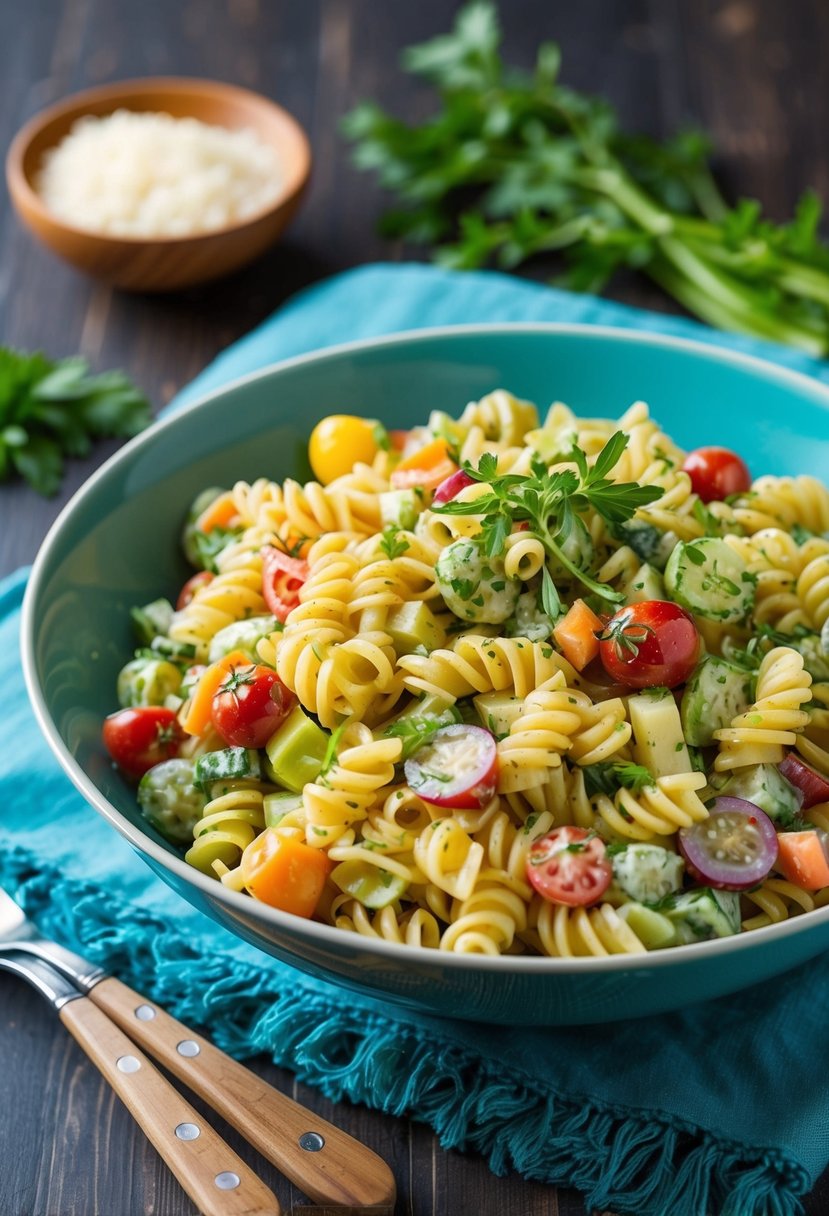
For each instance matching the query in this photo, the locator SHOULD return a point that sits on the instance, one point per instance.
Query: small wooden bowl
(163, 263)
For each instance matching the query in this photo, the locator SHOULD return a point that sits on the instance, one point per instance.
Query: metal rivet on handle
(227, 1181)
(312, 1142)
(188, 1131)
(188, 1048)
(127, 1064)
(145, 1013)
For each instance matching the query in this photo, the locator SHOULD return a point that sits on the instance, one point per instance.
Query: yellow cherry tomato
(338, 443)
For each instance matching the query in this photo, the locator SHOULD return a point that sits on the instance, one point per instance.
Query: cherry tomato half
(716, 472)
(193, 584)
(338, 443)
(249, 705)
(649, 644)
(282, 579)
(139, 738)
(457, 768)
(569, 866)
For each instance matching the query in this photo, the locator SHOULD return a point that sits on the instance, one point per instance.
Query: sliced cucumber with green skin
(654, 930)
(241, 635)
(170, 800)
(145, 681)
(227, 764)
(277, 806)
(401, 507)
(703, 914)
(766, 787)
(716, 692)
(169, 648)
(708, 578)
(153, 619)
(368, 884)
(646, 873)
(296, 751)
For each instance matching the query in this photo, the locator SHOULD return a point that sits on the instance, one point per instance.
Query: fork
(328, 1165)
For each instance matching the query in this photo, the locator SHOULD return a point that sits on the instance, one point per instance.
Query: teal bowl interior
(117, 544)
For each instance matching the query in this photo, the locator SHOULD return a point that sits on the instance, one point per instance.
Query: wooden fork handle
(328, 1165)
(214, 1177)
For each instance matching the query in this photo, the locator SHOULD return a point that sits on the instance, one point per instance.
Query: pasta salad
(496, 685)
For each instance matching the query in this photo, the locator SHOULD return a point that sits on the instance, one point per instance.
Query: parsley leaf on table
(50, 410)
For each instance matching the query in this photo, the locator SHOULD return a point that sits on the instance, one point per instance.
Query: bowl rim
(20, 186)
(285, 924)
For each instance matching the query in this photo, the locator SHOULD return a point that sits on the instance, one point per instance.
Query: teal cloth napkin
(719, 1109)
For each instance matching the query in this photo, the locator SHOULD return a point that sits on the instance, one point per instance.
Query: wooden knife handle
(328, 1165)
(214, 1177)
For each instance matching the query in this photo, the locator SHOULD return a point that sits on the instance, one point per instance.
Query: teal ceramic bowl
(116, 545)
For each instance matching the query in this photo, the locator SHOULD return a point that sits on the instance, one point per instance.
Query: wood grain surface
(752, 72)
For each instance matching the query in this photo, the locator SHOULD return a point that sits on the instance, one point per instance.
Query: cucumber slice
(766, 787)
(707, 577)
(716, 692)
(401, 507)
(654, 930)
(153, 619)
(296, 752)
(370, 886)
(646, 873)
(170, 800)
(703, 914)
(413, 627)
(176, 652)
(241, 635)
(277, 806)
(227, 764)
(147, 682)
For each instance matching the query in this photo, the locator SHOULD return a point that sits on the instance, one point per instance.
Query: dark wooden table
(750, 71)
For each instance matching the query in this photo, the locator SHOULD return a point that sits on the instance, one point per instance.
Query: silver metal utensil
(329, 1166)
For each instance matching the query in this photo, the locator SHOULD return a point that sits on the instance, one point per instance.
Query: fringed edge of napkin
(616, 1158)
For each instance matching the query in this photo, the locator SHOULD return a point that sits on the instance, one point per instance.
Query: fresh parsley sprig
(609, 776)
(393, 544)
(513, 165)
(552, 502)
(50, 410)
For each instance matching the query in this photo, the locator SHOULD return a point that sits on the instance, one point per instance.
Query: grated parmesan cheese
(137, 174)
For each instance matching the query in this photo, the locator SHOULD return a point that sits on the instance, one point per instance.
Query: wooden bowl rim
(297, 168)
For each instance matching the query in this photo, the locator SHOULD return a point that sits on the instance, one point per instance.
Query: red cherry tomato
(282, 579)
(249, 705)
(457, 768)
(139, 738)
(190, 588)
(569, 866)
(717, 472)
(649, 644)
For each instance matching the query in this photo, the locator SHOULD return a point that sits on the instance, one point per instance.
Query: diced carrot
(196, 716)
(427, 467)
(801, 857)
(576, 635)
(218, 514)
(285, 872)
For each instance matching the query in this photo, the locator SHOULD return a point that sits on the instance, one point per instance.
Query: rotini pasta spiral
(343, 795)
(759, 735)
